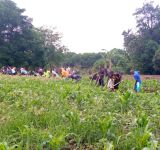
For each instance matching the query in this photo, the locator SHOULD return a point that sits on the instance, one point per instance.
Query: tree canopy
(21, 44)
(143, 45)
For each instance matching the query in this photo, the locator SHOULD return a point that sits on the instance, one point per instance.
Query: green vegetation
(143, 45)
(39, 113)
(22, 44)
(119, 59)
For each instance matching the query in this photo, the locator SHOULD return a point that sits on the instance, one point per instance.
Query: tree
(147, 18)
(147, 56)
(156, 61)
(120, 60)
(53, 49)
(99, 62)
(142, 45)
(19, 43)
(85, 60)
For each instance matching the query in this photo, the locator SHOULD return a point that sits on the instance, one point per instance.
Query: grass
(46, 114)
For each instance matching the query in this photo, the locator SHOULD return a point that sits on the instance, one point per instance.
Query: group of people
(114, 79)
(12, 70)
(8, 70)
(54, 72)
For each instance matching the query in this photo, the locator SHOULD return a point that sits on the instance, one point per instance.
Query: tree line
(22, 44)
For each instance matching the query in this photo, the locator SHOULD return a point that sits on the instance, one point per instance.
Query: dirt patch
(144, 77)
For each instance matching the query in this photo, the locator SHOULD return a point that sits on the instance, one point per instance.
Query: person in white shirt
(110, 84)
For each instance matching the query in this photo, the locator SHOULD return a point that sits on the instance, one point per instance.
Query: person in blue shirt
(138, 81)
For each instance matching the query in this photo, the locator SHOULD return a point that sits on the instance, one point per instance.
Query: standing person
(138, 81)
(101, 75)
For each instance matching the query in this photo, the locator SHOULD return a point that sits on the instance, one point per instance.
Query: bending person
(138, 81)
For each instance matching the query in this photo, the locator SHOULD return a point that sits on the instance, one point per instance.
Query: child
(110, 84)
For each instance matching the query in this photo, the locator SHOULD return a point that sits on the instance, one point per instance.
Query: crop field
(46, 114)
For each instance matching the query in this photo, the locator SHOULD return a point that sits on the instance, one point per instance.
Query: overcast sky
(86, 25)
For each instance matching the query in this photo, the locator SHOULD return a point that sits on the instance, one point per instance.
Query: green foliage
(85, 60)
(14, 29)
(42, 113)
(156, 61)
(99, 62)
(142, 45)
(51, 44)
(24, 45)
(120, 60)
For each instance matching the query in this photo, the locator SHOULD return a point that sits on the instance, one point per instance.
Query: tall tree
(14, 29)
(21, 44)
(156, 61)
(120, 60)
(147, 18)
(142, 45)
(53, 48)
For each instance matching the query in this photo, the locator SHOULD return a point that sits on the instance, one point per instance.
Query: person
(4, 70)
(13, 70)
(74, 76)
(93, 76)
(68, 69)
(64, 73)
(9, 71)
(117, 79)
(40, 71)
(23, 71)
(110, 84)
(138, 81)
(47, 73)
(54, 73)
(101, 75)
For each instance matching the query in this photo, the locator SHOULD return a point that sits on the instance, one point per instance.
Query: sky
(86, 25)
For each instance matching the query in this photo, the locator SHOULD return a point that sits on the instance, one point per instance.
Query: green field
(47, 114)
